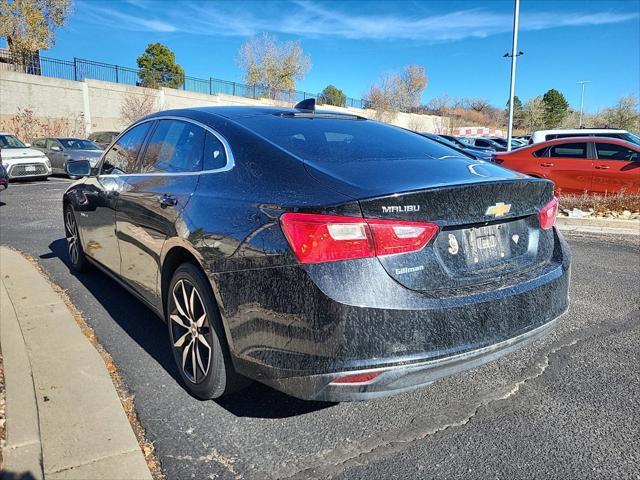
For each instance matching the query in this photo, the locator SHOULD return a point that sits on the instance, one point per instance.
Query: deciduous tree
(624, 115)
(397, 92)
(273, 65)
(136, 106)
(533, 114)
(30, 25)
(158, 67)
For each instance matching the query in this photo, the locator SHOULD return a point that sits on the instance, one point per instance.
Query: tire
(77, 258)
(197, 336)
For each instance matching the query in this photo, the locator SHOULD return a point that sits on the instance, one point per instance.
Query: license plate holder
(30, 168)
(485, 246)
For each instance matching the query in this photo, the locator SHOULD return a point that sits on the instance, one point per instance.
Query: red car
(580, 164)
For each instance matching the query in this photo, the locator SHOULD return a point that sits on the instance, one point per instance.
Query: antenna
(308, 105)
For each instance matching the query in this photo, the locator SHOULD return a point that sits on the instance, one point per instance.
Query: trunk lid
(487, 231)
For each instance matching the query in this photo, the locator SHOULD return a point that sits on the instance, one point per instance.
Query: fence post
(254, 91)
(210, 91)
(234, 89)
(75, 69)
(117, 74)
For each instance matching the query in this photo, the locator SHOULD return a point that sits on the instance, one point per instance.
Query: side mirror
(78, 168)
(56, 148)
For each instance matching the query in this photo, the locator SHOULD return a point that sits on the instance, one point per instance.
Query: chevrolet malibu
(326, 255)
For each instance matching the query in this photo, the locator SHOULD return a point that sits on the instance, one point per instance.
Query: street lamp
(514, 54)
(582, 83)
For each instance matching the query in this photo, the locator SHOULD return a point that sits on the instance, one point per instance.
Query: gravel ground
(565, 407)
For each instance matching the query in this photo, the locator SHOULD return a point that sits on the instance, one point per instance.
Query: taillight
(317, 238)
(548, 214)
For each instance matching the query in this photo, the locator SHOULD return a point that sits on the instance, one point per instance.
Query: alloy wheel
(72, 237)
(190, 330)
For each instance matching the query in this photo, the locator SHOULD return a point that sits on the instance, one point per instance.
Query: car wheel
(74, 246)
(197, 336)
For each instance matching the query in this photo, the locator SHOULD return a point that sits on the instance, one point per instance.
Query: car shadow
(148, 331)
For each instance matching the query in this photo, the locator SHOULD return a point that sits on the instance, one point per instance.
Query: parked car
(4, 178)
(480, 153)
(465, 149)
(103, 139)
(580, 164)
(22, 161)
(61, 150)
(545, 135)
(485, 143)
(503, 142)
(329, 256)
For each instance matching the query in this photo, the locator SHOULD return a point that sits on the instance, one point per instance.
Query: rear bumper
(403, 378)
(299, 329)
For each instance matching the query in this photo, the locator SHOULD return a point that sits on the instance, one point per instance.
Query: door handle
(546, 164)
(603, 167)
(167, 201)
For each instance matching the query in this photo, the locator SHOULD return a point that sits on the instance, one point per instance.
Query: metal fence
(79, 69)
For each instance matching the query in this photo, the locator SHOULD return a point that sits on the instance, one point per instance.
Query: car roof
(560, 141)
(580, 130)
(232, 112)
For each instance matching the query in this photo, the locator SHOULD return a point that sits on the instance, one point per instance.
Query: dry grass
(126, 399)
(601, 203)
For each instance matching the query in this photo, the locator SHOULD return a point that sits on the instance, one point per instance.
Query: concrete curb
(599, 225)
(64, 417)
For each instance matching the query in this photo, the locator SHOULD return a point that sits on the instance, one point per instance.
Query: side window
(611, 151)
(482, 143)
(569, 150)
(175, 146)
(40, 143)
(121, 157)
(214, 153)
(52, 143)
(541, 152)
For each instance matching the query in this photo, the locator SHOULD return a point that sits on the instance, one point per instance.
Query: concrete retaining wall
(96, 105)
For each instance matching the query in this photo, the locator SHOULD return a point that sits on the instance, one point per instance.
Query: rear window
(336, 139)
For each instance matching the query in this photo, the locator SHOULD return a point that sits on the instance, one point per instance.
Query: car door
(97, 210)
(150, 205)
(569, 166)
(616, 168)
(56, 155)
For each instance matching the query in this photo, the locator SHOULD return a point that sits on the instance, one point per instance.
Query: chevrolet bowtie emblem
(500, 209)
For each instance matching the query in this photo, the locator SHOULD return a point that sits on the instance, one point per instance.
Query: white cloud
(313, 19)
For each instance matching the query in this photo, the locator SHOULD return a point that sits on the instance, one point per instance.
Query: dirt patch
(613, 205)
(126, 399)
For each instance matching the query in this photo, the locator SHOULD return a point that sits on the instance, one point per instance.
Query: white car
(21, 161)
(544, 135)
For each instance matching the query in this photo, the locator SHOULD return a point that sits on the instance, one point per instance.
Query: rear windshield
(335, 139)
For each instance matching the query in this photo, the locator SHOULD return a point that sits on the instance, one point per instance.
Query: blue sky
(352, 43)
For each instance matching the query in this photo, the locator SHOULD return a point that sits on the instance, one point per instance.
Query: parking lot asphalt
(566, 407)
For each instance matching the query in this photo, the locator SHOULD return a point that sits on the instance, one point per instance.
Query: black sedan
(326, 255)
(59, 151)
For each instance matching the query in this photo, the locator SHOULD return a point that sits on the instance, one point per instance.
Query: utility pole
(514, 54)
(582, 83)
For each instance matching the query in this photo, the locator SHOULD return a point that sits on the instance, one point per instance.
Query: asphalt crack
(359, 454)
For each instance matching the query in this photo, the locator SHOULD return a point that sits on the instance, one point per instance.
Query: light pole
(514, 54)
(582, 83)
